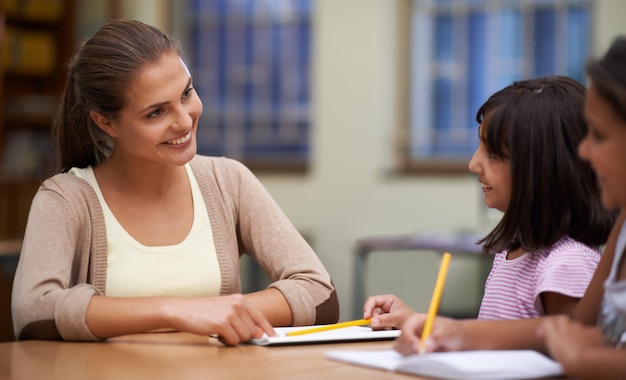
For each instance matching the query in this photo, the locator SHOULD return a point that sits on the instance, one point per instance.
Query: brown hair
(97, 79)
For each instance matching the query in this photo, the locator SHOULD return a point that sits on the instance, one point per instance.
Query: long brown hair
(97, 79)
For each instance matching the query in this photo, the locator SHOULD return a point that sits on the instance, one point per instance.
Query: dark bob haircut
(537, 124)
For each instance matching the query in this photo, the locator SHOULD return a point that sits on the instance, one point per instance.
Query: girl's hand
(567, 340)
(446, 335)
(233, 318)
(386, 311)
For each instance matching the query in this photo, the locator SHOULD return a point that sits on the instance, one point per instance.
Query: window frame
(294, 163)
(440, 164)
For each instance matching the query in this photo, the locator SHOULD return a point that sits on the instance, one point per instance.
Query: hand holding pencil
(410, 341)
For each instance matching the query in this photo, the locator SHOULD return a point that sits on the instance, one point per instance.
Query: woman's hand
(233, 318)
(446, 335)
(386, 311)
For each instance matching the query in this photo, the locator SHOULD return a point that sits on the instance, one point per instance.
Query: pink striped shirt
(513, 287)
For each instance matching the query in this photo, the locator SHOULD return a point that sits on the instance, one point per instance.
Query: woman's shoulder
(215, 162)
(68, 186)
(218, 166)
(65, 182)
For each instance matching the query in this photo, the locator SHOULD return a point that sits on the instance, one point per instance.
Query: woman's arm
(289, 261)
(50, 288)
(273, 305)
(234, 318)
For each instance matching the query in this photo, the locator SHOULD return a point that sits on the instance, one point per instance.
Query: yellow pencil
(434, 302)
(358, 322)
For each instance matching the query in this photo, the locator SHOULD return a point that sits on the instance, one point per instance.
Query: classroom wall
(352, 189)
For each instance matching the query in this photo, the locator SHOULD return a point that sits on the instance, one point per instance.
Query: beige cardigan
(63, 261)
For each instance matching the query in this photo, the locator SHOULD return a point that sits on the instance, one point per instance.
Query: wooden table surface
(179, 356)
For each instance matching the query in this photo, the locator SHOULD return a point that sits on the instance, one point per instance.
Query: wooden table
(179, 356)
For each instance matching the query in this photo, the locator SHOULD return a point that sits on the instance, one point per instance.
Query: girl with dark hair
(137, 232)
(589, 343)
(547, 243)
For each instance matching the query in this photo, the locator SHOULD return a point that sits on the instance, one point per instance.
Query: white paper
(344, 334)
(467, 365)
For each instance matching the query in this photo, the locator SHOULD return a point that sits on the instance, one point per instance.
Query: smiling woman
(139, 233)
(157, 124)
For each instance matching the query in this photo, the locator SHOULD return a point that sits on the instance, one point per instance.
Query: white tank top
(187, 269)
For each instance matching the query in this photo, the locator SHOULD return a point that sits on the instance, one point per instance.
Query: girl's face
(160, 118)
(604, 147)
(494, 174)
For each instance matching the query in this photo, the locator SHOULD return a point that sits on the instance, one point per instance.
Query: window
(462, 51)
(250, 63)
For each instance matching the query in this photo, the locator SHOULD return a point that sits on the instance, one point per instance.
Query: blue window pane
(481, 46)
(443, 99)
(303, 57)
(577, 42)
(276, 68)
(205, 6)
(444, 34)
(544, 42)
(250, 62)
(509, 34)
(477, 67)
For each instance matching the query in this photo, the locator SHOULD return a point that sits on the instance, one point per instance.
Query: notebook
(467, 365)
(341, 335)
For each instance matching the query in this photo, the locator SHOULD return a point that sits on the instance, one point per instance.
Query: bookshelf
(36, 41)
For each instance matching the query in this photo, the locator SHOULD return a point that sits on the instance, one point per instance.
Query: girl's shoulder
(569, 250)
(566, 243)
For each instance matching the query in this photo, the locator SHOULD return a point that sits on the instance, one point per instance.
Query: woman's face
(604, 147)
(494, 173)
(159, 121)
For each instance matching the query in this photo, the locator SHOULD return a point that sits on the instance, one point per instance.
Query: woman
(138, 233)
